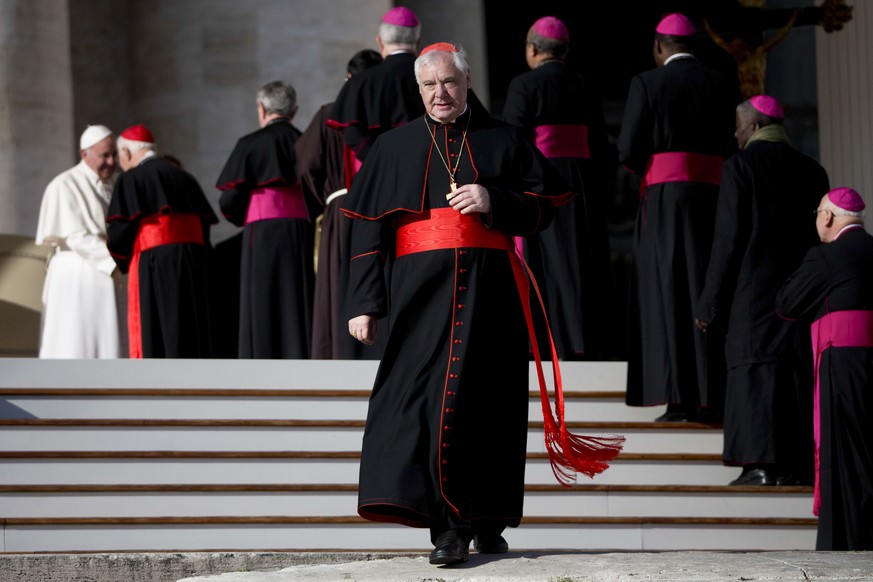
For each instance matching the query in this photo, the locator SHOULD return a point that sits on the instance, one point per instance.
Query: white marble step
(194, 437)
(640, 536)
(110, 471)
(680, 502)
(253, 374)
(304, 408)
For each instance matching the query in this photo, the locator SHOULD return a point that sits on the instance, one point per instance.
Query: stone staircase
(233, 455)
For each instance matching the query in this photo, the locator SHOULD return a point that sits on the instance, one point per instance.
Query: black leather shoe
(755, 477)
(450, 549)
(670, 416)
(490, 544)
(792, 479)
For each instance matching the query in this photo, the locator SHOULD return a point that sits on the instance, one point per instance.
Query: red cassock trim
(446, 228)
(276, 202)
(838, 329)
(155, 230)
(562, 141)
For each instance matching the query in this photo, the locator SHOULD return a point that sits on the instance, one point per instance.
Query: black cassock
(764, 226)
(680, 107)
(837, 279)
(277, 265)
(375, 100)
(158, 232)
(447, 424)
(571, 257)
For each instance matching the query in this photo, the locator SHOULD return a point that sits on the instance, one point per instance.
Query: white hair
(135, 146)
(837, 211)
(429, 58)
(403, 35)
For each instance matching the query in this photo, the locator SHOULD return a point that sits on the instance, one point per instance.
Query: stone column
(845, 93)
(36, 107)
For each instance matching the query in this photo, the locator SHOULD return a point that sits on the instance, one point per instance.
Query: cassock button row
(460, 305)
(462, 253)
(462, 288)
(455, 359)
(453, 376)
(450, 393)
(459, 323)
(448, 410)
(457, 341)
(463, 270)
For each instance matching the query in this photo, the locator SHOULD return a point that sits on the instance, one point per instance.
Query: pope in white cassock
(80, 317)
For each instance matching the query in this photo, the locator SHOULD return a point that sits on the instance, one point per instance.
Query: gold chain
(451, 172)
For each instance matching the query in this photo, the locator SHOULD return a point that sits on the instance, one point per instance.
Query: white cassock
(80, 316)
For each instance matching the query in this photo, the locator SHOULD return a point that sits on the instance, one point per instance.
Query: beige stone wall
(845, 93)
(36, 107)
(188, 69)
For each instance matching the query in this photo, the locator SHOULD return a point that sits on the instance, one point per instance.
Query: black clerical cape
(375, 100)
(158, 232)
(834, 285)
(561, 111)
(277, 263)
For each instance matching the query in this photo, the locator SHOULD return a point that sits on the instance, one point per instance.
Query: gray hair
(278, 97)
(761, 119)
(402, 35)
(429, 58)
(134, 146)
(837, 211)
(550, 46)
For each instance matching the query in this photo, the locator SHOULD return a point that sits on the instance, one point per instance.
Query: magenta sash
(562, 141)
(276, 202)
(838, 329)
(682, 167)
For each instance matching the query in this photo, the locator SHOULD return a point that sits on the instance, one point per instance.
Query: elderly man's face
(443, 89)
(102, 157)
(745, 127)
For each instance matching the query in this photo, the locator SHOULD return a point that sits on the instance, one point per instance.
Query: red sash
(838, 329)
(562, 141)
(155, 230)
(446, 228)
(276, 202)
(682, 167)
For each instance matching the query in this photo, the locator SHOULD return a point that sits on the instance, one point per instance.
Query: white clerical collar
(848, 227)
(672, 58)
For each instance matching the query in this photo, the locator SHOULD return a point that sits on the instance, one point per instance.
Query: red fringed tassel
(569, 453)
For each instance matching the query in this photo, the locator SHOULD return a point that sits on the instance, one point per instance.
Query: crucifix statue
(745, 43)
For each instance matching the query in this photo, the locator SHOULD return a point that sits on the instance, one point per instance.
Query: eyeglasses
(820, 210)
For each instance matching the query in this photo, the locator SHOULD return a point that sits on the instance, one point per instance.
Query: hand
(470, 198)
(701, 325)
(363, 329)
